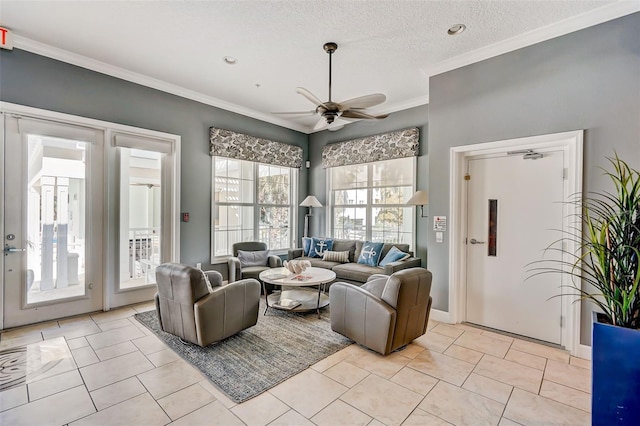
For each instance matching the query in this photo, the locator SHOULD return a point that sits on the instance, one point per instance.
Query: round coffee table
(298, 299)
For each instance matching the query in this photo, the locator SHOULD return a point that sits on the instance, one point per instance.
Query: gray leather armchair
(237, 272)
(186, 308)
(386, 312)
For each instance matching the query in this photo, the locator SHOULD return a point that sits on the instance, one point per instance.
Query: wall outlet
(199, 265)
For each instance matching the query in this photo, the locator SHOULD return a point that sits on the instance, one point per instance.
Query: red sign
(6, 40)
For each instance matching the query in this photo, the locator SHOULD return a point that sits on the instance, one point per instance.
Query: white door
(53, 192)
(515, 209)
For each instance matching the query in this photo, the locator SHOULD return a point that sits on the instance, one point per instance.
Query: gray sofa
(354, 272)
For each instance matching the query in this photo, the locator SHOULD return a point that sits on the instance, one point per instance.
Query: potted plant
(606, 271)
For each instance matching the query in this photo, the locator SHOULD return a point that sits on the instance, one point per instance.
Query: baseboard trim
(440, 316)
(584, 351)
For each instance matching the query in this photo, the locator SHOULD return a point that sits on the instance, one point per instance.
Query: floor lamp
(310, 202)
(420, 198)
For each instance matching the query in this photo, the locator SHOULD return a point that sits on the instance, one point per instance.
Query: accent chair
(249, 259)
(204, 312)
(386, 312)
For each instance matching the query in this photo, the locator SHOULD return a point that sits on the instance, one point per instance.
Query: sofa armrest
(362, 316)
(296, 252)
(227, 310)
(412, 262)
(233, 264)
(274, 261)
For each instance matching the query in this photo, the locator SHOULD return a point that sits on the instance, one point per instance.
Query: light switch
(439, 237)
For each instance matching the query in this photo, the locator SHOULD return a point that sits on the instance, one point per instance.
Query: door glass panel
(140, 216)
(56, 206)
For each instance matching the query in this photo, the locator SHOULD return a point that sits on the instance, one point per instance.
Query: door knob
(474, 241)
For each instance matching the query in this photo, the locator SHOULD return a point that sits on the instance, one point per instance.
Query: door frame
(106, 127)
(572, 145)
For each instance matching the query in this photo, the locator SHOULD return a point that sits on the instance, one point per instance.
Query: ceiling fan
(339, 113)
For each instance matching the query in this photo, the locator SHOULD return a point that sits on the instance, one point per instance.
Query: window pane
(274, 227)
(274, 185)
(349, 176)
(393, 172)
(392, 195)
(236, 210)
(350, 223)
(352, 196)
(378, 191)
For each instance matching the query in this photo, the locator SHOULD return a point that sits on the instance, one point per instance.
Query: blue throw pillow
(319, 246)
(306, 245)
(394, 255)
(370, 253)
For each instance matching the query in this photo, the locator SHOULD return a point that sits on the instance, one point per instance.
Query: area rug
(243, 366)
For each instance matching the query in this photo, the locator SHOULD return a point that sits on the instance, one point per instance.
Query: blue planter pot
(615, 388)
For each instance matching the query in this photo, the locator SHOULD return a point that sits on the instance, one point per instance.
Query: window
(368, 201)
(252, 202)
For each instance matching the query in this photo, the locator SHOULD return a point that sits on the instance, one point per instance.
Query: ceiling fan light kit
(339, 112)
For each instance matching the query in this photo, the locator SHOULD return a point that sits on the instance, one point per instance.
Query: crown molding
(121, 73)
(576, 23)
(401, 106)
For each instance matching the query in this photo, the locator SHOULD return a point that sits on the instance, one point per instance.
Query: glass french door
(53, 192)
(144, 199)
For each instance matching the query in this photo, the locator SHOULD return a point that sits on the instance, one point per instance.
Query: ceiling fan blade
(320, 124)
(307, 94)
(366, 101)
(338, 124)
(295, 113)
(360, 114)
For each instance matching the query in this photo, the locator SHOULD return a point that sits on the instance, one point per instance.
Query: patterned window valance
(225, 143)
(399, 144)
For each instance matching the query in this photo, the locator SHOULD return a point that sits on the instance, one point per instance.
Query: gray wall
(587, 80)
(37, 81)
(414, 117)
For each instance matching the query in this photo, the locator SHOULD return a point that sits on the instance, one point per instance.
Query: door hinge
(565, 173)
(467, 177)
(561, 321)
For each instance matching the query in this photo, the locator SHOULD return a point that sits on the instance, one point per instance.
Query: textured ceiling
(384, 46)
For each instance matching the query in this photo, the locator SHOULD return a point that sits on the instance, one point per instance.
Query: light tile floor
(106, 368)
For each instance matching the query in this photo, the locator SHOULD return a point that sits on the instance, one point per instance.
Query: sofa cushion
(306, 245)
(388, 246)
(319, 246)
(346, 245)
(370, 253)
(393, 255)
(336, 256)
(317, 262)
(355, 271)
(253, 271)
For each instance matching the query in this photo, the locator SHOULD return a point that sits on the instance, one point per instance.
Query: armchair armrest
(274, 261)
(362, 316)
(233, 264)
(214, 277)
(227, 310)
(296, 252)
(412, 262)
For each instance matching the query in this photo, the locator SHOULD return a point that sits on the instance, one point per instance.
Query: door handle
(8, 249)
(474, 241)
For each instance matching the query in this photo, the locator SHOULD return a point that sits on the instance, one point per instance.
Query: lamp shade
(310, 201)
(420, 198)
